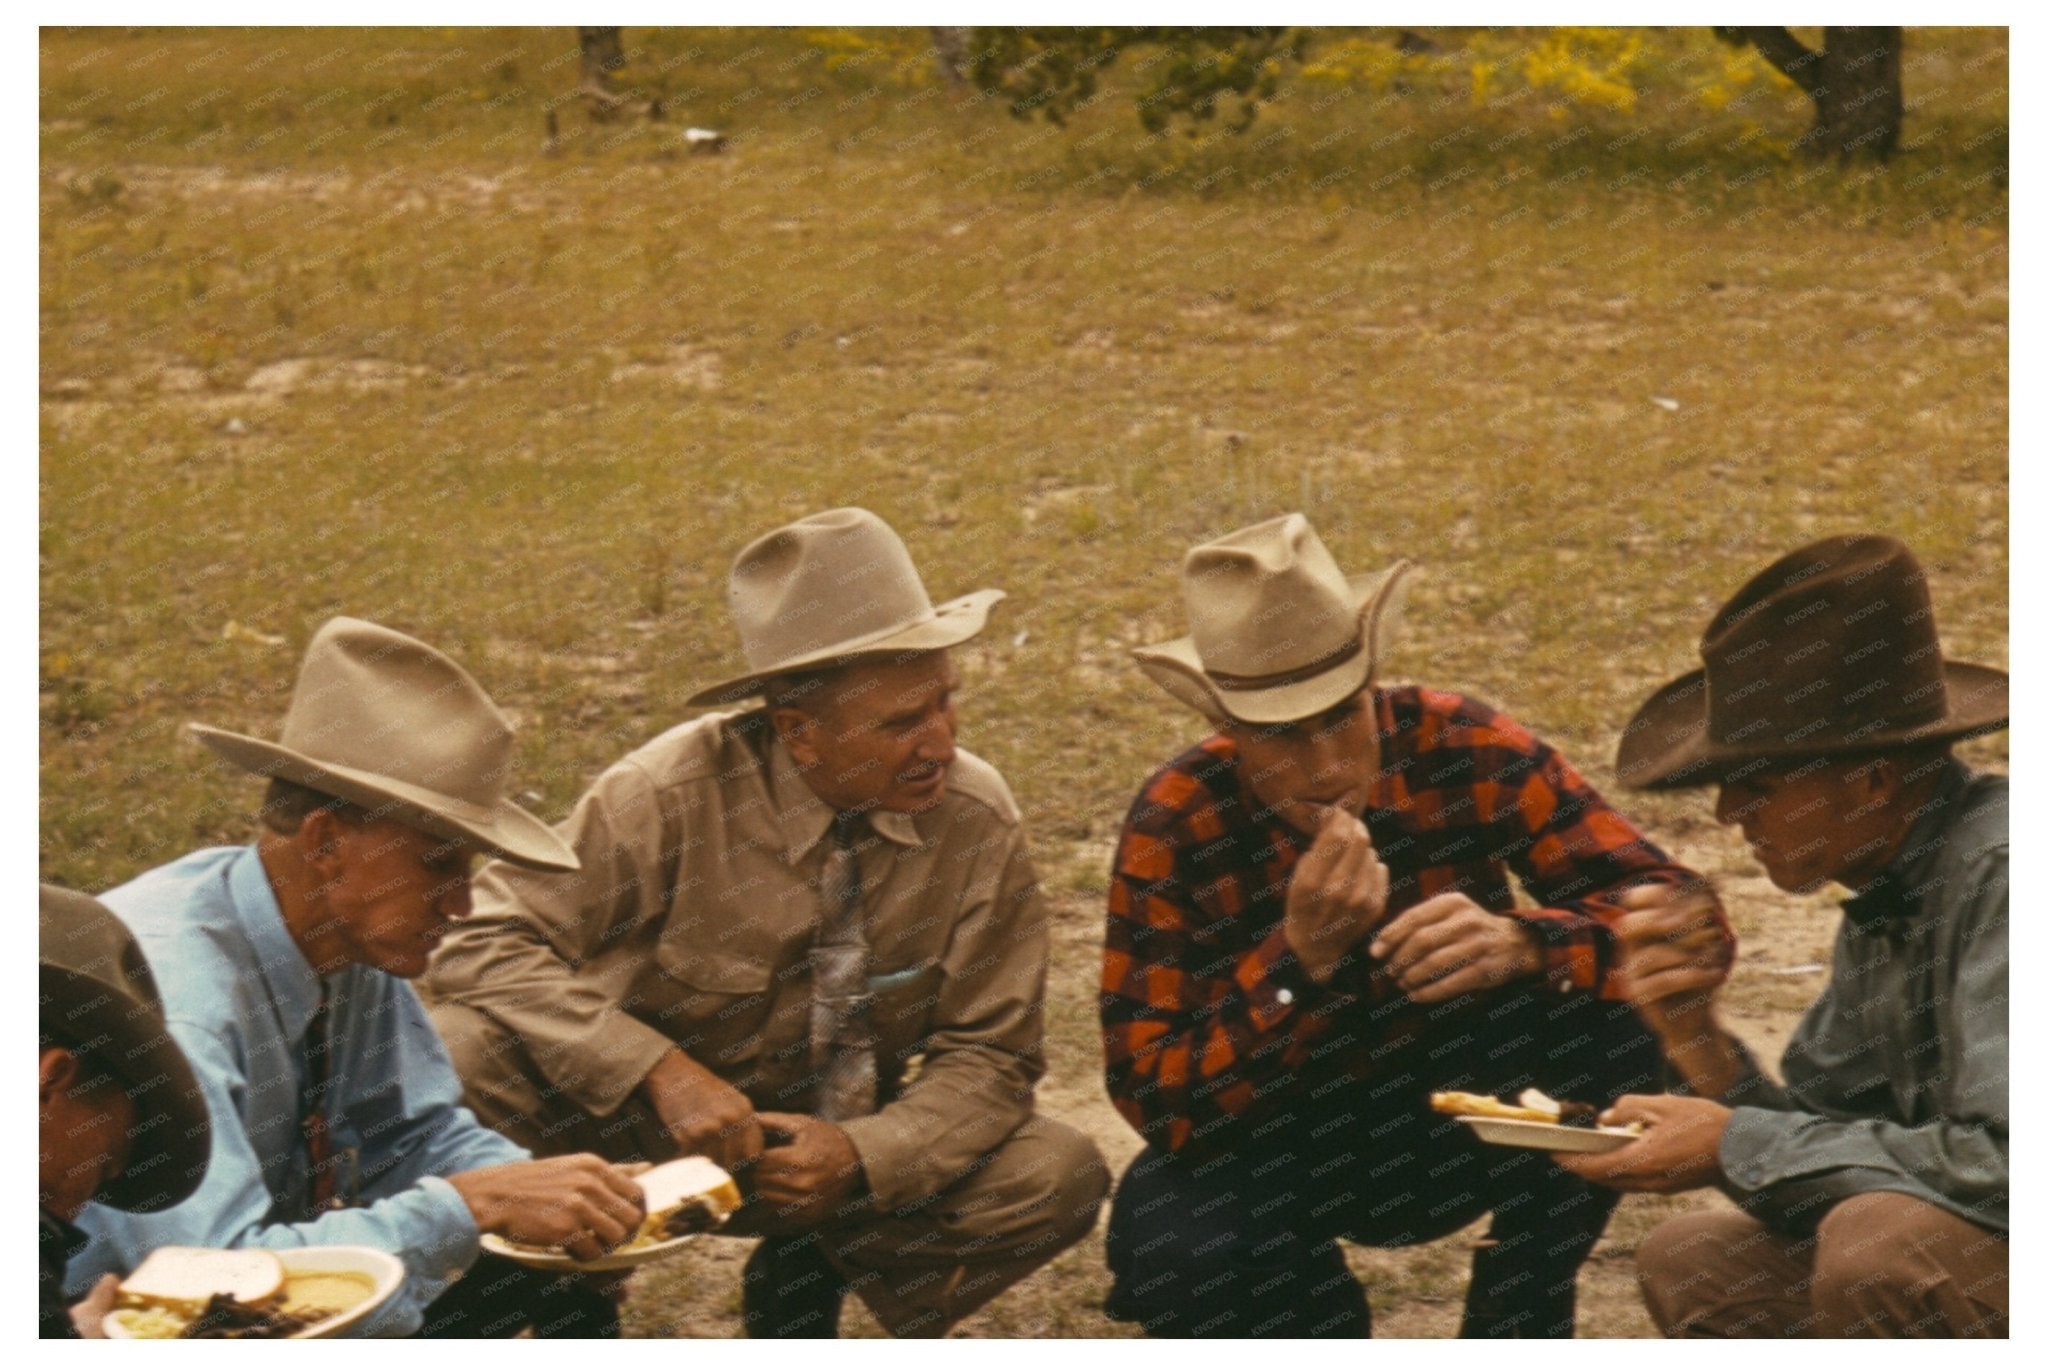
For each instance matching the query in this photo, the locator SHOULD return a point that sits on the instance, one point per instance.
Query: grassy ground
(325, 329)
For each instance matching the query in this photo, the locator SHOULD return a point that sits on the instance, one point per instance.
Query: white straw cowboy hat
(1831, 650)
(100, 1003)
(834, 587)
(1277, 632)
(394, 726)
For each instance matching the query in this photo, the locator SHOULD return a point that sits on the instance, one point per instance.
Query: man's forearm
(1706, 1056)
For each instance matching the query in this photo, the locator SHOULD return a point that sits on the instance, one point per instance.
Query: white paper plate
(658, 1186)
(386, 1273)
(1548, 1137)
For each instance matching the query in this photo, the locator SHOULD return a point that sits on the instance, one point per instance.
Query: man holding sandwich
(1311, 928)
(336, 1117)
(807, 942)
(1873, 1181)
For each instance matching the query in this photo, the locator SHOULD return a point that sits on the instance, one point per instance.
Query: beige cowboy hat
(397, 727)
(1277, 632)
(100, 1003)
(834, 587)
(1831, 650)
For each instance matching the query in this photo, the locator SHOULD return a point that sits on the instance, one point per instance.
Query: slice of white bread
(693, 1177)
(175, 1276)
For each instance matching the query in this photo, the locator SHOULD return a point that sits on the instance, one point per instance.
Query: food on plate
(198, 1293)
(684, 1197)
(1534, 1107)
(688, 1196)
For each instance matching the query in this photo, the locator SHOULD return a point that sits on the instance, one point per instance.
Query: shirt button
(1564, 988)
(1284, 996)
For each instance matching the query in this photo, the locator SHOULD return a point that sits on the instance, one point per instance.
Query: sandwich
(685, 1197)
(197, 1292)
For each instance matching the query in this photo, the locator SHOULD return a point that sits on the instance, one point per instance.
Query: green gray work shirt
(1897, 1077)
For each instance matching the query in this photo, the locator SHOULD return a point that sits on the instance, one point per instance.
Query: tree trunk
(1859, 103)
(950, 47)
(603, 53)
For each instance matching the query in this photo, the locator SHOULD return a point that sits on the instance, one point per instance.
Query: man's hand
(811, 1175)
(704, 1115)
(1449, 946)
(1674, 956)
(1680, 1148)
(89, 1313)
(1337, 894)
(582, 1204)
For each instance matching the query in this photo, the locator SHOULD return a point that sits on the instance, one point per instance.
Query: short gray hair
(287, 804)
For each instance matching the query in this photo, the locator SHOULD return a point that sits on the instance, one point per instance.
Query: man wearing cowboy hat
(1873, 1181)
(1311, 928)
(807, 943)
(336, 1116)
(121, 1118)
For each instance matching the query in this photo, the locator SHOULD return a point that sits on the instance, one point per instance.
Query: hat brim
(503, 830)
(950, 623)
(170, 1140)
(1177, 667)
(1666, 745)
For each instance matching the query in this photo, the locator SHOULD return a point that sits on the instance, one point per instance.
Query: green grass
(323, 331)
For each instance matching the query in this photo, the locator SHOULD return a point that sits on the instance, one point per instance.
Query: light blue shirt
(240, 997)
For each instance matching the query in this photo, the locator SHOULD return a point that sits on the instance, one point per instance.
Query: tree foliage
(1191, 71)
(1853, 79)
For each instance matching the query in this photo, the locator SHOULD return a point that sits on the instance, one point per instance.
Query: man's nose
(936, 745)
(1727, 806)
(454, 899)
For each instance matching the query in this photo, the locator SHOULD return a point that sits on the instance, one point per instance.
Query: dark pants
(1239, 1238)
(498, 1298)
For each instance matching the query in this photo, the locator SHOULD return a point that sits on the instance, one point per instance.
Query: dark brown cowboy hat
(1831, 650)
(99, 1002)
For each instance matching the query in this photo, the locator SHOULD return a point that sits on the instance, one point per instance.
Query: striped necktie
(317, 1055)
(842, 1037)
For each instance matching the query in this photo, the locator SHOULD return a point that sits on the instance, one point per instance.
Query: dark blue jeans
(1239, 1238)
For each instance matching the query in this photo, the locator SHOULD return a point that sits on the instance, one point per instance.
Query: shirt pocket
(904, 1006)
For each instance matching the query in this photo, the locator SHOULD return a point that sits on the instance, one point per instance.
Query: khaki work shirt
(690, 924)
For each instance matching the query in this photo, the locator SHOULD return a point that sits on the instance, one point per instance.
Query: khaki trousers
(1880, 1265)
(920, 1268)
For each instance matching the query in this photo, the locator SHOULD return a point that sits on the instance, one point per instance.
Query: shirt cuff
(1570, 953)
(608, 1065)
(1275, 984)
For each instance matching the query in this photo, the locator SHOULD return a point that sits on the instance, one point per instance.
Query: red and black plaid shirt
(1208, 1018)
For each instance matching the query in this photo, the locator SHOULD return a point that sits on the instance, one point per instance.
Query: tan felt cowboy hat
(381, 720)
(1277, 632)
(1831, 650)
(831, 588)
(99, 1002)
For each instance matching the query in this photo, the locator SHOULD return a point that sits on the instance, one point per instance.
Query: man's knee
(1042, 1192)
(490, 1060)
(1686, 1269)
(1892, 1265)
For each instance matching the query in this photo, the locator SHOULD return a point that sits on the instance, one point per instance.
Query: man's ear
(1882, 779)
(796, 729)
(318, 841)
(56, 1072)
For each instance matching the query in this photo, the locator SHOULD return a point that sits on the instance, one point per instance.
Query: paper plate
(386, 1273)
(1548, 1137)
